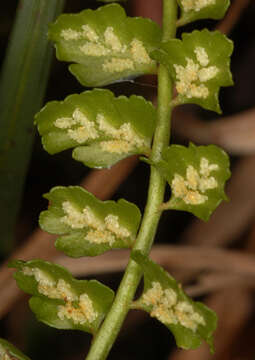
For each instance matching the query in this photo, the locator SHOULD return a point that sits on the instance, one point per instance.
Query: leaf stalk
(103, 341)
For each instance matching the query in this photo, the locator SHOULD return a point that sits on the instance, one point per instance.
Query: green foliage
(189, 321)
(103, 129)
(24, 76)
(59, 300)
(8, 351)
(200, 65)
(89, 226)
(105, 45)
(192, 10)
(197, 176)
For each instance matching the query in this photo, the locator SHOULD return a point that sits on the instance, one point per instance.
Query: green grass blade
(22, 85)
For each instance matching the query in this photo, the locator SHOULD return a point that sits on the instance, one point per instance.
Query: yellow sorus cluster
(107, 232)
(167, 308)
(112, 224)
(4, 355)
(70, 34)
(137, 53)
(125, 139)
(103, 47)
(201, 55)
(116, 146)
(109, 45)
(190, 77)
(87, 33)
(75, 218)
(98, 236)
(62, 290)
(100, 232)
(196, 5)
(112, 41)
(84, 129)
(91, 49)
(80, 129)
(79, 314)
(48, 286)
(190, 189)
